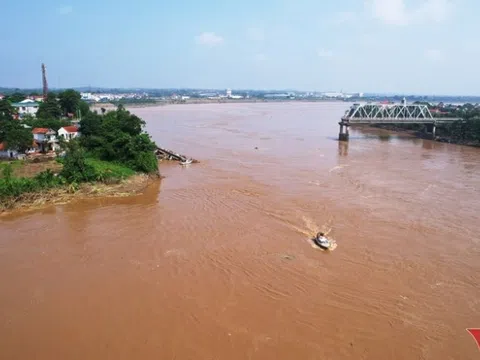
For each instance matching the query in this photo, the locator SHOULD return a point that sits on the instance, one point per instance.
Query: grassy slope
(33, 182)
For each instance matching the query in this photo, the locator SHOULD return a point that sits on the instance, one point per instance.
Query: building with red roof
(69, 132)
(46, 139)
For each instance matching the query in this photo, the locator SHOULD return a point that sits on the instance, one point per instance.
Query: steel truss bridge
(390, 114)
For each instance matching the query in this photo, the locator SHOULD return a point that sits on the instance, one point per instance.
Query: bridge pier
(430, 129)
(343, 134)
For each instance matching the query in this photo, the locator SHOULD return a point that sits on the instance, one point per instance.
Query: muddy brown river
(215, 262)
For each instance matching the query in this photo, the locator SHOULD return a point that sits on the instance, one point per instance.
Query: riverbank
(423, 135)
(131, 186)
(110, 106)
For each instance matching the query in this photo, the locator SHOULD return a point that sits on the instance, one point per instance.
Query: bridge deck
(357, 120)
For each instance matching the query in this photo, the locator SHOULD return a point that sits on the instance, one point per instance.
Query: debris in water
(165, 154)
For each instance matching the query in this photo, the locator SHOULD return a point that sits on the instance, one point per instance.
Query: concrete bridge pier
(430, 129)
(343, 135)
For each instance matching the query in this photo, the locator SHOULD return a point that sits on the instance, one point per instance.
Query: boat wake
(310, 229)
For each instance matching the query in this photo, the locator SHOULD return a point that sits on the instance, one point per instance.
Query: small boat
(186, 162)
(322, 241)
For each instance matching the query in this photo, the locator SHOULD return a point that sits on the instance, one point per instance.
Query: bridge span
(390, 114)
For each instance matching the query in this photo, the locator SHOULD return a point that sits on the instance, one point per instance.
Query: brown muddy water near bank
(214, 261)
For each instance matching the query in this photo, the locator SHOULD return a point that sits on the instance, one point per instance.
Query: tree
(6, 108)
(16, 97)
(69, 101)
(90, 124)
(48, 123)
(118, 136)
(14, 135)
(75, 167)
(49, 108)
(84, 108)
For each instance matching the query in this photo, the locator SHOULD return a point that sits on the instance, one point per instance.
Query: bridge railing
(392, 113)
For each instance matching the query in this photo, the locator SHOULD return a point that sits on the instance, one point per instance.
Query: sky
(394, 46)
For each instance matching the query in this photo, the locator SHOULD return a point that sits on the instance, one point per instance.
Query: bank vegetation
(112, 156)
(463, 132)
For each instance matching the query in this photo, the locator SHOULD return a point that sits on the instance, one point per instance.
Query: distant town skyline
(372, 46)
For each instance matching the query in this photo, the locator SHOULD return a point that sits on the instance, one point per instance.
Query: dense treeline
(466, 131)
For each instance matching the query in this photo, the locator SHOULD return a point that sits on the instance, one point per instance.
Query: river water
(215, 262)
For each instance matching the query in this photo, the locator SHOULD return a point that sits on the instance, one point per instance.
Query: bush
(145, 162)
(75, 167)
(118, 137)
(109, 171)
(14, 187)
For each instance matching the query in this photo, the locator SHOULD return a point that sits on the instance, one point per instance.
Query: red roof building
(70, 129)
(40, 130)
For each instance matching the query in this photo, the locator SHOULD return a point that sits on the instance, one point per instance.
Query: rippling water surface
(215, 262)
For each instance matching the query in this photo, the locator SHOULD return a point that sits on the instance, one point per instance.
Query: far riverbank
(423, 135)
(110, 106)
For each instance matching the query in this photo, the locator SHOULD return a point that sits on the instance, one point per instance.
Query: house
(26, 106)
(7, 153)
(37, 98)
(69, 132)
(46, 139)
(2, 97)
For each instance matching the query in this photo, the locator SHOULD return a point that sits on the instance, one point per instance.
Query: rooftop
(70, 129)
(32, 104)
(42, 131)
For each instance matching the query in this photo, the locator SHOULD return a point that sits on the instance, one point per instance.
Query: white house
(46, 139)
(69, 132)
(26, 106)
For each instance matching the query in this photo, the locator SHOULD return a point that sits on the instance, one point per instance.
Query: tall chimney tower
(44, 81)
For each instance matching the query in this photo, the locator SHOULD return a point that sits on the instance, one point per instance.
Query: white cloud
(65, 10)
(256, 34)
(396, 12)
(436, 10)
(391, 12)
(323, 53)
(209, 39)
(434, 55)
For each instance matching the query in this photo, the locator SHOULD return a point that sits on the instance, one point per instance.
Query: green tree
(69, 101)
(91, 124)
(118, 136)
(16, 97)
(49, 108)
(6, 108)
(84, 108)
(75, 167)
(48, 123)
(14, 135)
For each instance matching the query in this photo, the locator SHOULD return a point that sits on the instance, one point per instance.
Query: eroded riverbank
(131, 186)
